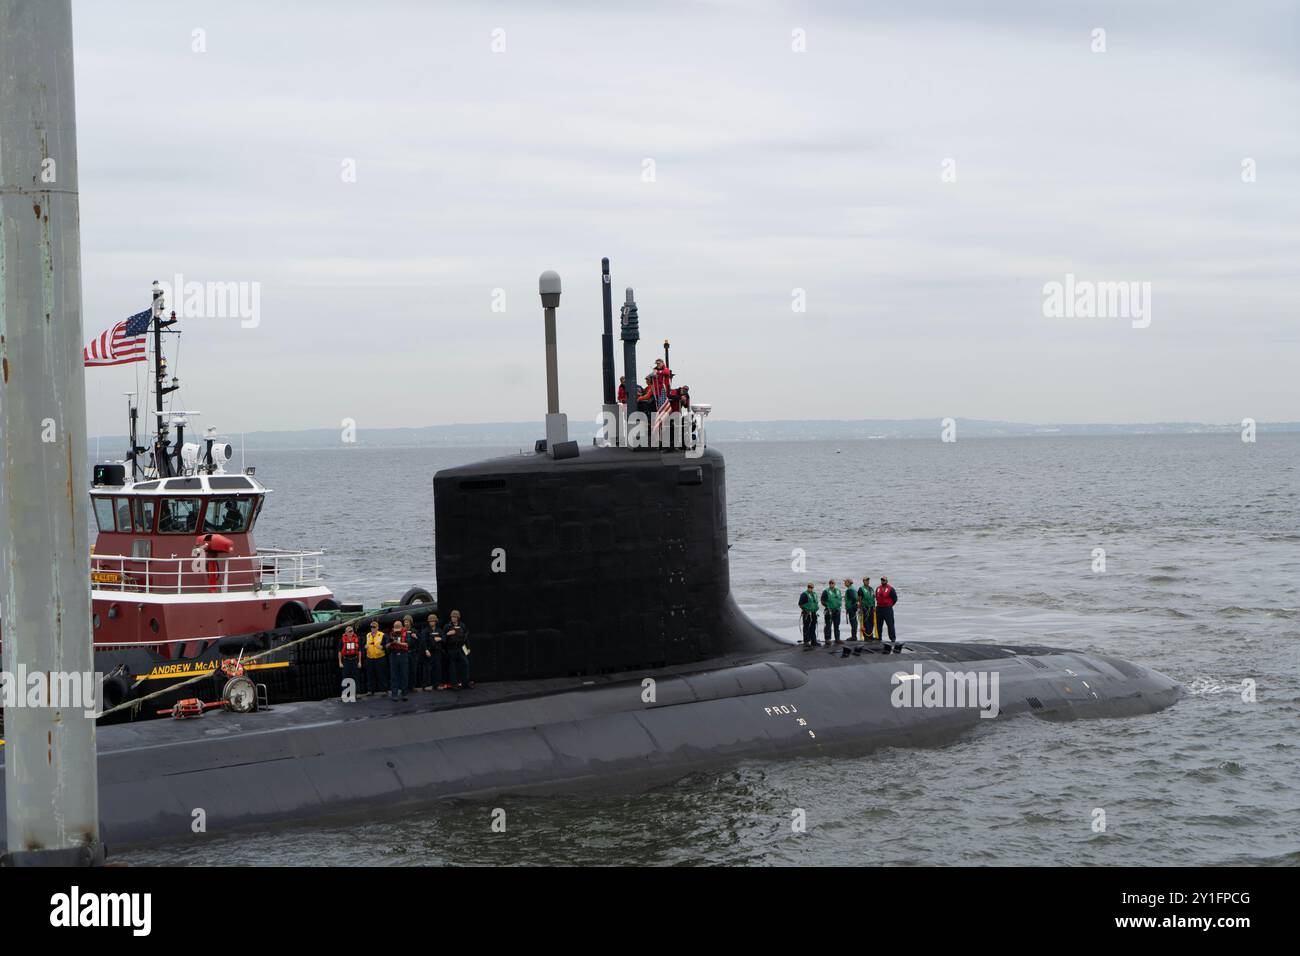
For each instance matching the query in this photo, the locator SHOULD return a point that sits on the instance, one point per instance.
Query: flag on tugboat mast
(120, 345)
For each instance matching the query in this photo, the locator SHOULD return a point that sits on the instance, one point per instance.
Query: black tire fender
(292, 613)
(416, 595)
(116, 690)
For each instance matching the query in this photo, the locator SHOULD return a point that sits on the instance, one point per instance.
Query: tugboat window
(144, 508)
(179, 515)
(123, 515)
(104, 514)
(228, 514)
(258, 501)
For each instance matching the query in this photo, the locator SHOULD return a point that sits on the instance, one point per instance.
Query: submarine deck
(161, 732)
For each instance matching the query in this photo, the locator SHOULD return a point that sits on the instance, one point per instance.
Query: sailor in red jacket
(886, 598)
(663, 378)
(350, 659)
(398, 648)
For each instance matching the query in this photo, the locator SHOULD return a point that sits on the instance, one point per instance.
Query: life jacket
(885, 596)
(374, 644)
(851, 599)
(662, 378)
(831, 598)
(351, 646)
(866, 597)
(808, 601)
(398, 644)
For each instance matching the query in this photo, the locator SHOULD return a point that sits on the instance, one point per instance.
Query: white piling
(51, 794)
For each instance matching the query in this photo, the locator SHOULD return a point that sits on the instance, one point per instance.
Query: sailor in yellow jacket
(376, 664)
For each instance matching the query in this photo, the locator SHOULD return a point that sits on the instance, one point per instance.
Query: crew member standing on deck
(645, 399)
(350, 659)
(808, 616)
(867, 606)
(457, 637)
(376, 662)
(886, 598)
(435, 655)
(415, 637)
(661, 382)
(831, 600)
(398, 647)
(851, 608)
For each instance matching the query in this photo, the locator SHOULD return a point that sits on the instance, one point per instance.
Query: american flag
(120, 345)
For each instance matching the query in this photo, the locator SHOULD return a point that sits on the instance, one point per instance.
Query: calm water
(985, 540)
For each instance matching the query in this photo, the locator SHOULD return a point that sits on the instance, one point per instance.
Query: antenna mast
(161, 459)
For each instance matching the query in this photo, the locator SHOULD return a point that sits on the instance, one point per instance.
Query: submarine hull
(330, 759)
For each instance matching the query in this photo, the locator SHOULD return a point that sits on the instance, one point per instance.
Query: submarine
(594, 668)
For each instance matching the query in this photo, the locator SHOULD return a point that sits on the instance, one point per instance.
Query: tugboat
(178, 584)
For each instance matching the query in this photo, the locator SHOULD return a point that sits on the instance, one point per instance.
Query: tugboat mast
(161, 459)
(133, 419)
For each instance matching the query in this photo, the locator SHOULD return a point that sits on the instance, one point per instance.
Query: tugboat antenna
(162, 462)
(133, 422)
(160, 438)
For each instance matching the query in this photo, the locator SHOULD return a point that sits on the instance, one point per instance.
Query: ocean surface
(985, 540)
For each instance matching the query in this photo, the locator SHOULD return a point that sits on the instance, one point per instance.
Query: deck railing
(267, 570)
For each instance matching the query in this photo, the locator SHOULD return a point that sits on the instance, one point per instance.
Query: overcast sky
(773, 171)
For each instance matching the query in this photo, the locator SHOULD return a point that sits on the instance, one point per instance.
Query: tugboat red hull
(173, 625)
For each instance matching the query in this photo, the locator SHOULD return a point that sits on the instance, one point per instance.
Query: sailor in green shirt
(808, 616)
(851, 607)
(867, 606)
(832, 600)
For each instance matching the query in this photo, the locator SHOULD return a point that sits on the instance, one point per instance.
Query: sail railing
(687, 420)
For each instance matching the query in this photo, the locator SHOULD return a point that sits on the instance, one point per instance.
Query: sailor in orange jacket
(350, 657)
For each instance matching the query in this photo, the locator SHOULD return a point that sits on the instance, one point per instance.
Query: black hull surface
(329, 759)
